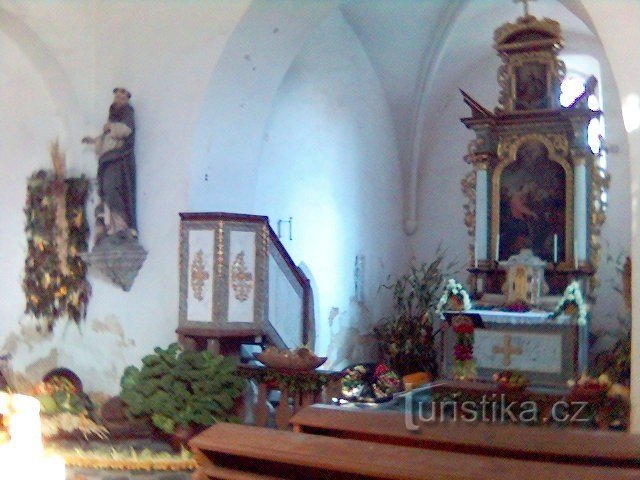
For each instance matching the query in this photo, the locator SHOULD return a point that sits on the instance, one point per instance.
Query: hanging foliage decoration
(55, 283)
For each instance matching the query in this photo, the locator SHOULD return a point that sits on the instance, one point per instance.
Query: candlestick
(555, 248)
(498, 248)
(475, 253)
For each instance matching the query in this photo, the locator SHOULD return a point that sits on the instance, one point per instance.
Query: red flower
(463, 328)
(381, 369)
(463, 352)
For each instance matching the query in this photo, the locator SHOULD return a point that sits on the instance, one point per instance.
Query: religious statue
(117, 252)
(116, 213)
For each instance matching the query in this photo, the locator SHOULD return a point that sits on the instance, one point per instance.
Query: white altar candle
(555, 248)
(498, 248)
(575, 254)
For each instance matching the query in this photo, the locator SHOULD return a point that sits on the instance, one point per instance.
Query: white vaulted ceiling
(421, 50)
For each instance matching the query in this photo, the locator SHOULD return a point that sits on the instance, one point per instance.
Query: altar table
(548, 351)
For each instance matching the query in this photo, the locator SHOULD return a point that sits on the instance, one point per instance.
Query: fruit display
(59, 394)
(387, 382)
(508, 380)
(415, 380)
(301, 358)
(65, 409)
(370, 383)
(590, 383)
(587, 387)
(354, 382)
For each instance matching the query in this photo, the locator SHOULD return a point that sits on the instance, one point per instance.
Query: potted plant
(182, 392)
(406, 336)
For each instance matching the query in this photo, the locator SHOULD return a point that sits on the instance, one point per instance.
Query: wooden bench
(240, 452)
(569, 445)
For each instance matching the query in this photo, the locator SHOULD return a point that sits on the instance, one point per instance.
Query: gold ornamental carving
(199, 275)
(220, 249)
(241, 278)
(504, 35)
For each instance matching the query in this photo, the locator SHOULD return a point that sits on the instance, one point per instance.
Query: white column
(482, 200)
(580, 203)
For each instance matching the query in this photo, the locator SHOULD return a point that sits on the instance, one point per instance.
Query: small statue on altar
(116, 213)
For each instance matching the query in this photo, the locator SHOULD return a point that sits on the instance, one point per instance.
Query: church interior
(319, 239)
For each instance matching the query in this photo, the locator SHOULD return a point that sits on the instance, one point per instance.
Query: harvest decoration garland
(572, 303)
(293, 381)
(465, 365)
(455, 297)
(112, 457)
(52, 288)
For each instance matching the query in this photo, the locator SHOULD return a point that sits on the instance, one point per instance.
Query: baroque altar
(534, 211)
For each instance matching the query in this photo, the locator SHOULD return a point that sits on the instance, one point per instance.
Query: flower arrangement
(572, 303)
(387, 382)
(406, 336)
(370, 383)
(353, 381)
(519, 306)
(465, 365)
(455, 297)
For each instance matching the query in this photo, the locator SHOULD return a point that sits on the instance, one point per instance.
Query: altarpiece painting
(535, 192)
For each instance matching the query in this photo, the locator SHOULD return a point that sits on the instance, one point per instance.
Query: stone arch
(45, 62)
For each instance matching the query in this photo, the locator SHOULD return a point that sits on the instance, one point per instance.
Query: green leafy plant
(406, 336)
(175, 388)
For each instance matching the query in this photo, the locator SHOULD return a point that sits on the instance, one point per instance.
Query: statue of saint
(116, 212)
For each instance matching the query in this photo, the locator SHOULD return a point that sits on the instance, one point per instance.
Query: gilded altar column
(580, 208)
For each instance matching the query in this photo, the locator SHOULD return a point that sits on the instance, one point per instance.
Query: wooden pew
(570, 445)
(240, 452)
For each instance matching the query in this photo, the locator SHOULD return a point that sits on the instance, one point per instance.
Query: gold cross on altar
(507, 350)
(526, 5)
